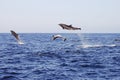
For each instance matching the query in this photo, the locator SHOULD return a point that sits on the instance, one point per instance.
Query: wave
(10, 78)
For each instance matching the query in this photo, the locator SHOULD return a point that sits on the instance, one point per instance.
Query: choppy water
(80, 57)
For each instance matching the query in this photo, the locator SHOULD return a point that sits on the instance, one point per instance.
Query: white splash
(87, 44)
(20, 42)
(93, 46)
(83, 41)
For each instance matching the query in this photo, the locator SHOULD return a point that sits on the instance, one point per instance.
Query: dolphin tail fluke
(79, 28)
(64, 39)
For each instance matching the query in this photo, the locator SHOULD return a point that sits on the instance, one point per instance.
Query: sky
(43, 16)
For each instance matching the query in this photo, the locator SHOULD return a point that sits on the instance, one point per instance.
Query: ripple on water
(10, 78)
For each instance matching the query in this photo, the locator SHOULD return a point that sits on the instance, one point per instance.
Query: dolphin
(58, 36)
(16, 36)
(68, 27)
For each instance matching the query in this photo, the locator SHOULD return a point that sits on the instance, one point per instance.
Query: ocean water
(80, 57)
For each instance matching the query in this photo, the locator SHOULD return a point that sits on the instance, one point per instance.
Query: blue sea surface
(81, 57)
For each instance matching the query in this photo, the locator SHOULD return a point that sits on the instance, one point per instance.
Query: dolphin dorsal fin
(70, 25)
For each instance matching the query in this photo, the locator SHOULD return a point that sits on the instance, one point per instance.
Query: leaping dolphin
(69, 27)
(58, 36)
(16, 36)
